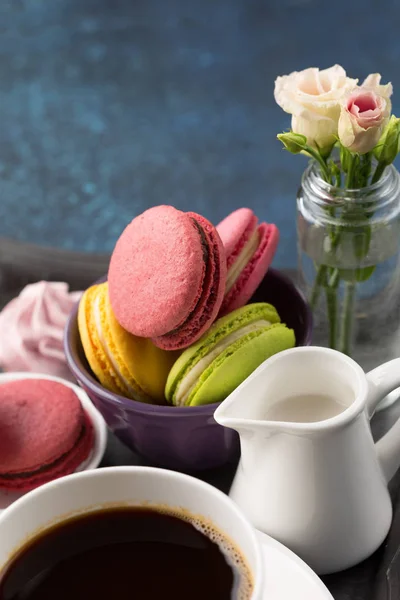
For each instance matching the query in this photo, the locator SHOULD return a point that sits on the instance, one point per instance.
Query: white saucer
(287, 577)
(99, 425)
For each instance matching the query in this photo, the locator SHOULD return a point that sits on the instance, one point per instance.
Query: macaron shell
(255, 270)
(111, 334)
(83, 327)
(235, 230)
(95, 355)
(209, 303)
(218, 331)
(40, 420)
(234, 365)
(156, 272)
(145, 366)
(64, 465)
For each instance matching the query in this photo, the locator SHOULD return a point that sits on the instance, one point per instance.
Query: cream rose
(313, 98)
(364, 115)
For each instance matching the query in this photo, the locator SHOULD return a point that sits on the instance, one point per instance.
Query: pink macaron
(44, 433)
(250, 248)
(167, 276)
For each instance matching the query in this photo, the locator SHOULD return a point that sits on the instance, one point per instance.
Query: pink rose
(364, 115)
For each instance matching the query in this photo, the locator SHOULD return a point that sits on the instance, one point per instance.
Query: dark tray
(377, 578)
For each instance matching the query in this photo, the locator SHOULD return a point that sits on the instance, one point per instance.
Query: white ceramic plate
(287, 577)
(99, 425)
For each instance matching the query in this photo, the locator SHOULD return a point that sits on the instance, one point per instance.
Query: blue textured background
(111, 106)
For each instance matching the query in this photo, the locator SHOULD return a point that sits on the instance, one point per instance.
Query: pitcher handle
(382, 381)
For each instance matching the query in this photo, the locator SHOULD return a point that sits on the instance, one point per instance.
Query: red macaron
(250, 248)
(44, 433)
(167, 277)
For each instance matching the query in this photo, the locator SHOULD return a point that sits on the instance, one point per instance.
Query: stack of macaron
(172, 323)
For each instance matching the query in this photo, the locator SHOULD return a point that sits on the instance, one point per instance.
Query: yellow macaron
(123, 363)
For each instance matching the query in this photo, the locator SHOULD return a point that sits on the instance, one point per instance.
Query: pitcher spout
(246, 409)
(230, 412)
(242, 412)
(232, 416)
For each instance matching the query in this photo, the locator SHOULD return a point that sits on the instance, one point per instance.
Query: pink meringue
(32, 329)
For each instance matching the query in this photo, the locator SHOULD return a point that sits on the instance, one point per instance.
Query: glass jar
(349, 263)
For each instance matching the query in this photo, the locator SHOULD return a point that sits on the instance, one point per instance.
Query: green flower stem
(351, 171)
(378, 172)
(320, 281)
(321, 276)
(346, 321)
(327, 278)
(331, 306)
(366, 166)
(358, 175)
(322, 162)
(346, 327)
(334, 278)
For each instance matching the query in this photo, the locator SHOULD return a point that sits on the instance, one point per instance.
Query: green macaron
(209, 370)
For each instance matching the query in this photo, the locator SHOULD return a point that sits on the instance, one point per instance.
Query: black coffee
(127, 553)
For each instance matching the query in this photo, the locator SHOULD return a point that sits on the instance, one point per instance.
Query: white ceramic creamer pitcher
(319, 485)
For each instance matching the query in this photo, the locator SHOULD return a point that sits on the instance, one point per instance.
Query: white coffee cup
(90, 490)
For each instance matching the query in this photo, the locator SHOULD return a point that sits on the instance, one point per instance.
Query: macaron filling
(246, 254)
(189, 381)
(116, 373)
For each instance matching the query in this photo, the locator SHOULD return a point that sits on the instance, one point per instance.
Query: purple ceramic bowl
(181, 438)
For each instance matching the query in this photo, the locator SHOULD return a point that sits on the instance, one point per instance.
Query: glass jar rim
(326, 193)
(314, 170)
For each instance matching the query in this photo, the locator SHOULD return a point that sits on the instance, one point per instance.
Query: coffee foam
(243, 584)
